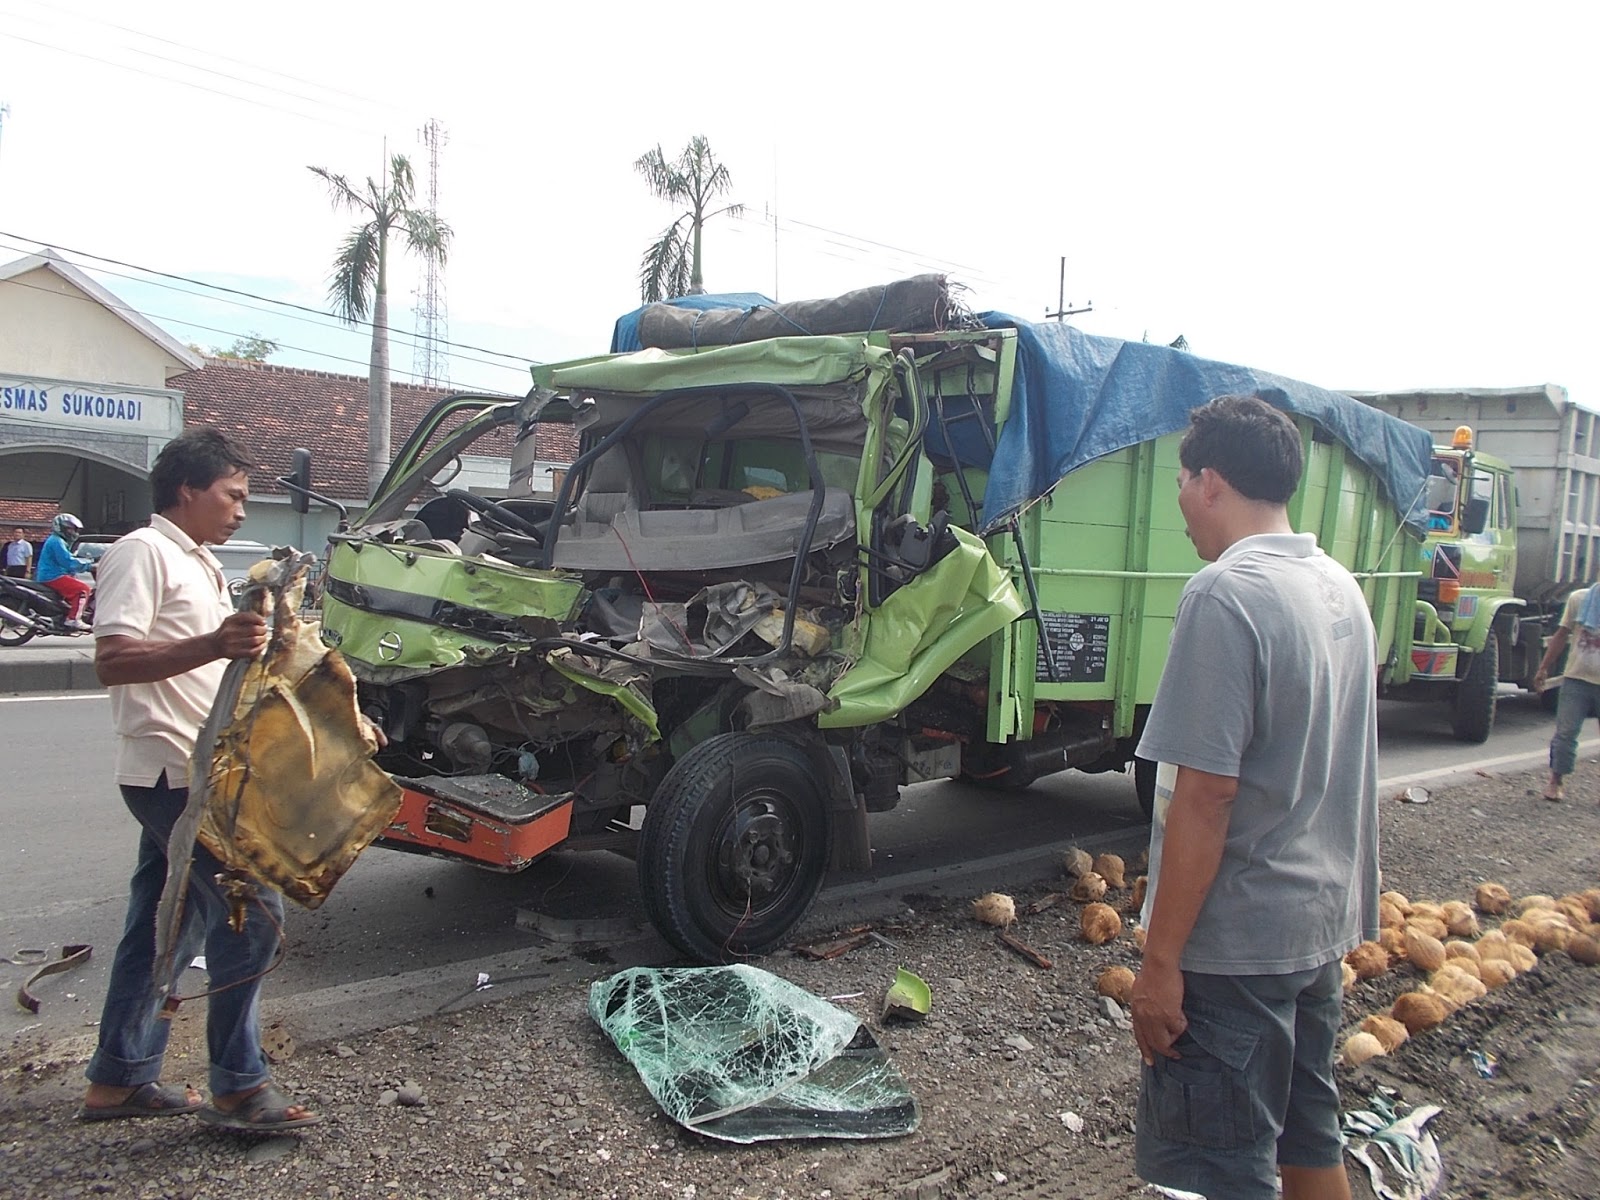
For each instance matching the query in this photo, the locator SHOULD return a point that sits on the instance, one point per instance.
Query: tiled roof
(273, 409)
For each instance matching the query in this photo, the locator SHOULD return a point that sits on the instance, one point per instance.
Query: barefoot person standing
(1580, 682)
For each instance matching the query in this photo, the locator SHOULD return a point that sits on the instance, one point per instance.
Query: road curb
(49, 675)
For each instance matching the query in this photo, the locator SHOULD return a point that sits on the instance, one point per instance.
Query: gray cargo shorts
(1254, 1088)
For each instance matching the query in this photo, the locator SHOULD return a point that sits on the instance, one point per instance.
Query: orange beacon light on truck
(1462, 439)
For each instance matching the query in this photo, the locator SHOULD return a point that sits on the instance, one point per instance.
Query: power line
(121, 66)
(328, 322)
(18, 237)
(57, 9)
(234, 333)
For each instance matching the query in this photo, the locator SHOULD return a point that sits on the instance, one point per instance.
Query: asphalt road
(403, 935)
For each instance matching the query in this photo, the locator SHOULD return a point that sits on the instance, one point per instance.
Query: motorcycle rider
(58, 567)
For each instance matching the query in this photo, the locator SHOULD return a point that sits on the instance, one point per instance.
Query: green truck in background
(1513, 498)
(786, 577)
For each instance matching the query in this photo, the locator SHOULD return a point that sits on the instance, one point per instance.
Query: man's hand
(241, 635)
(1157, 1010)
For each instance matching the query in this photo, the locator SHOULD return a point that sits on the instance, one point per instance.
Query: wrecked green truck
(785, 578)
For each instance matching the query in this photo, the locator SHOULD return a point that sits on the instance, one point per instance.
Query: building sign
(80, 406)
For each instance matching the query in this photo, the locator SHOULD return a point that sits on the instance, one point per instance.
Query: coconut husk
(1387, 1030)
(1099, 924)
(995, 908)
(1419, 1011)
(1491, 898)
(1110, 868)
(1359, 1047)
(1116, 982)
(1368, 960)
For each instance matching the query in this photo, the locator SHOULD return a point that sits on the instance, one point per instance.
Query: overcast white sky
(1361, 195)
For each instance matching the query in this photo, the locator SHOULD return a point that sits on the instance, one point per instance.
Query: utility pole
(429, 362)
(1062, 311)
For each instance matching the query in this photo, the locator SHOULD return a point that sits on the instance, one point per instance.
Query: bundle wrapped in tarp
(1077, 397)
(920, 304)
(625, 334)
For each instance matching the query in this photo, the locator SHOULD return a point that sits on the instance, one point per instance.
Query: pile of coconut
(1096, 879)
(1461, 963)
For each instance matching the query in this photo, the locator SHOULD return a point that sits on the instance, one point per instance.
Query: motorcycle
(29, 610)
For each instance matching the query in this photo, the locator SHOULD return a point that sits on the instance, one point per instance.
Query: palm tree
(360, 280)
(671, 265)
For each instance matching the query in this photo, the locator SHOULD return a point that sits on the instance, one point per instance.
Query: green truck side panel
(1110, 545)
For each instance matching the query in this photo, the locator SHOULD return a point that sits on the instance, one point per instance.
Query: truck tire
(1144, 783)
(734, 847)
(1473, 715)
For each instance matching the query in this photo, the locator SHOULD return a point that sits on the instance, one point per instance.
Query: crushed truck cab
(784, 578)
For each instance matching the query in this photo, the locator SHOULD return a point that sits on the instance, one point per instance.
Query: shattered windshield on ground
(740, 1054)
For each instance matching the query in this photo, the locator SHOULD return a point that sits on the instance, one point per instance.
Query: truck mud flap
(487, 820)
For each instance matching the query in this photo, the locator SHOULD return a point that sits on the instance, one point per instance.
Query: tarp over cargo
(1077, 398)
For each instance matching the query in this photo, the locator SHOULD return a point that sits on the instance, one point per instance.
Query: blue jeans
(133, 1038)
(1579, 701)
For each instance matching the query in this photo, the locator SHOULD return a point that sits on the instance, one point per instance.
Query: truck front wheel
(1473, 717)
(734, 847)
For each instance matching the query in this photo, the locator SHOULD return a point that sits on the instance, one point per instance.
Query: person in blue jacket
(58, 567)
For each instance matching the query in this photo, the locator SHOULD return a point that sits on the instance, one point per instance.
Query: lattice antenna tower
(430, 364)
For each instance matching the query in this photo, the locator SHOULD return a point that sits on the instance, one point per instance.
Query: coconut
(1536, 900)
(1520, 957)
(1387, 1030)
(1551, 935)
(1518, 931)
(1575, 910)
(1399, 900)
(1491, 898)
(1427, 952)
(1116, 982)
(1496, 972)
(1469, 965)
(1077, 862)
(1368, 960)
(1390, 917)
(1459, 949)
(1099, 923)
(1359, 1047)
(1347, 976)
(1456, 985)
(1393, 942)
(1591, 897)
(1418, 1011)
(1110, 868)
(1426, 908)
(995, 908)
(1584, 948)
(1089, 886)
(1460, 920)
(1434, 927)
(1136, 900)
(1138, 936)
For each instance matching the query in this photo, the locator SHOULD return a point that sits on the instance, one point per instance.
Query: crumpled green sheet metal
(739, 1054)
(920, 630)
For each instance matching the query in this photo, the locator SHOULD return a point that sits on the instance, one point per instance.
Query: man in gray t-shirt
(1264, 848)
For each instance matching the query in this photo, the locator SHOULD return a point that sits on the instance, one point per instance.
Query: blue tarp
(1077, 398)
(625, 335)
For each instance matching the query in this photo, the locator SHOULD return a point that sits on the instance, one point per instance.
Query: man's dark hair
(196, 458)
(1252, 445)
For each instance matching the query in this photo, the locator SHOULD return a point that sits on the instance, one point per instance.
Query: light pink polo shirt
(158, 584)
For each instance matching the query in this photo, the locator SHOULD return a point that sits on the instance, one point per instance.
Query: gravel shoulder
(1026, 1086)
